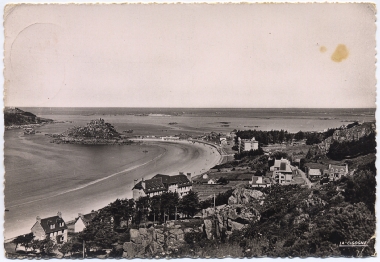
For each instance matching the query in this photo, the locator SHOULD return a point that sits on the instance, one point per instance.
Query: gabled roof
(154, 185)
(87, 218)
(55, 220)
(161, 183)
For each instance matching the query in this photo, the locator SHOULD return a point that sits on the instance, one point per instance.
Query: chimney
(134, 182)
(143, 183)
(189, 176)
(59, 214)
(80, 215)
(38, 219)
(181, 173)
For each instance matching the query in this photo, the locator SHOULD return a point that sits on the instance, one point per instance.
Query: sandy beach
(98, 189)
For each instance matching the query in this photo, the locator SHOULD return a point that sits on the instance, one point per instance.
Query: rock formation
(244, 196)
(350, 134)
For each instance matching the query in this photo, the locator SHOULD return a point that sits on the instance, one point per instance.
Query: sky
(190, 55)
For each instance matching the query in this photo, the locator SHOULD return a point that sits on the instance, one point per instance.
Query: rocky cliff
(345, 135)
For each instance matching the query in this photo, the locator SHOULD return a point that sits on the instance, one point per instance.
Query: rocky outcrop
(228, 218)
(351, 134)
(96, 132)
(153, 241)
(245, 196)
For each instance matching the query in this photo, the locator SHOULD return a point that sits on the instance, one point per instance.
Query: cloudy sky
(258, 55)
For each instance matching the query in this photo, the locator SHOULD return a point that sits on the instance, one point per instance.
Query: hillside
(346, 143)
(18, 117)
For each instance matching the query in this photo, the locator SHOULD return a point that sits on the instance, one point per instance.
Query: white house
(82, 221)
(211, 181)
(282, 171)
(248, 144)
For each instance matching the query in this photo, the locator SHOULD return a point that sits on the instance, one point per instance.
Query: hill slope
(16, 116)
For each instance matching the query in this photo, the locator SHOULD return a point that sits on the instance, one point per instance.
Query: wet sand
(49, 194)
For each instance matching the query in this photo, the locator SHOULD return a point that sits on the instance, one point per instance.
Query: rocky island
(97, 132)
(16, 118)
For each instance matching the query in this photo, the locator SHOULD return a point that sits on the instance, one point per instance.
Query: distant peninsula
(17, 118)
(96, 132)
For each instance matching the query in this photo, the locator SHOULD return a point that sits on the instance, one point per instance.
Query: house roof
(161, 183)
(338, 168)
(265, 180)
(283, 165)
(55, 220)
(87, 218)
(314, 172)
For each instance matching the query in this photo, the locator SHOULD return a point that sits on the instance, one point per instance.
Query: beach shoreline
(174, 157)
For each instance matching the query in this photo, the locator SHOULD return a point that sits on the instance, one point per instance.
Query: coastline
(174, 157)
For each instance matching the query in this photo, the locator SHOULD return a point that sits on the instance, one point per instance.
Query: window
(61, 224)
(52, 226)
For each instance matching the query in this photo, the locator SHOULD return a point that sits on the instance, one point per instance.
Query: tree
(299, 135)
(169, 201)
(23, 240)
(46, 246)
(65, 248)
(189, 204)
(17, 241)
(222, 181)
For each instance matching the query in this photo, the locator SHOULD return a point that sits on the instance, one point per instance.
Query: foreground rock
(150, 242)
(245, 196)
(225, 219)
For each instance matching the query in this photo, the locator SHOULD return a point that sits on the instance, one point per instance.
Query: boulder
(208, 228)
(134, 233)
(131, 250)
(188, 230)
(143, 231)
(244, 196)
(160, 238)
(137, 240)
(235, 225)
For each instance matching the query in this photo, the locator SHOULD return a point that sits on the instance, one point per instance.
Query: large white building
(162, 184)
(248, 144)
(282, 171)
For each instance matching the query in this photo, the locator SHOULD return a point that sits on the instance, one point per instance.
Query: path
(303, 175)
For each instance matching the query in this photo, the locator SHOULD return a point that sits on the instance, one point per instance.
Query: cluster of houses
(56, 228)
(333, 173)
(283, 173)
